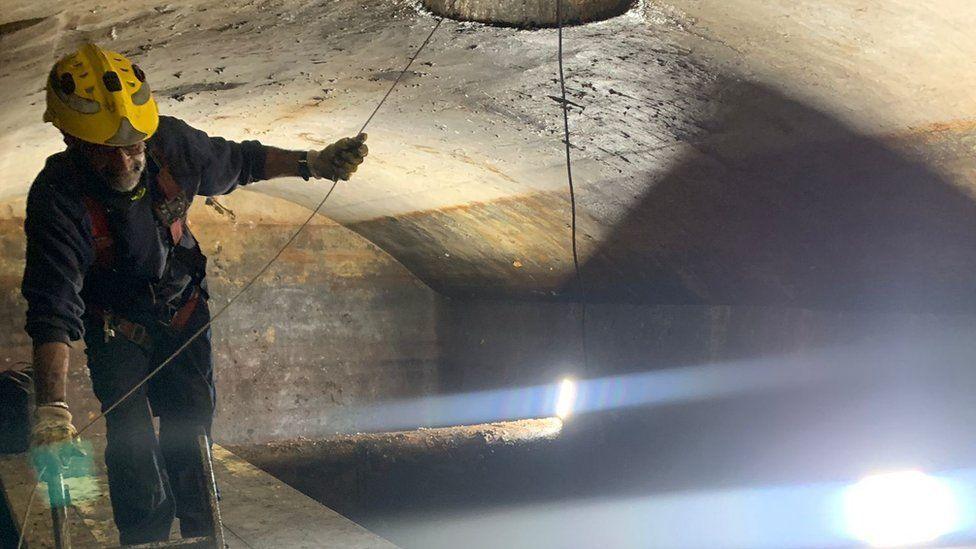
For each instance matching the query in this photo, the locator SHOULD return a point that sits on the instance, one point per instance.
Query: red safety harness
(170, 206)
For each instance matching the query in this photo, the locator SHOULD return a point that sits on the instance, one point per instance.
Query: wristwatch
(303, 169)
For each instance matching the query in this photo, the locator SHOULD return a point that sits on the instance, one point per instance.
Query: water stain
(14, 26)
(179, 93)
(391, 75)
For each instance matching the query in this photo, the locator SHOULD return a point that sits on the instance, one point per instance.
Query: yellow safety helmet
(100, 97)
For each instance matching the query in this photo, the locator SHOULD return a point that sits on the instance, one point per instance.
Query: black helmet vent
(112, 82)
(67, 83)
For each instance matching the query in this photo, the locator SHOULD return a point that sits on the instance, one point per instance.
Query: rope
(399, 76)
(253, 279)
(219, 313)
(267, 265)
(580, 286)
(30, 500)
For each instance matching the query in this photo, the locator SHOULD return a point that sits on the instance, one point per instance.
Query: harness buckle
(172, 210)
(139, 335)
(107, 327)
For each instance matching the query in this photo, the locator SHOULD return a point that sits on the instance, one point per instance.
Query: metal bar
(58, 496)
(210, 483)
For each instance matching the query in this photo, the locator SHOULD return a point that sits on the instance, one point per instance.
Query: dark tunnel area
(827, 260)
(782, 205)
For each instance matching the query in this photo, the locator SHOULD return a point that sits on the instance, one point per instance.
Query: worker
(111, 259)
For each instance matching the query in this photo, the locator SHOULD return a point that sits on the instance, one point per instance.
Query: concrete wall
(779, 205)
(690, 396)
(335, 322)
(490, 344)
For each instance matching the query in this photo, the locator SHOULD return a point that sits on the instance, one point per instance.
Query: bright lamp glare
(902, 508)
(566, 399)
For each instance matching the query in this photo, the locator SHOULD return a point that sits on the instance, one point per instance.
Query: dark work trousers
(152, 479)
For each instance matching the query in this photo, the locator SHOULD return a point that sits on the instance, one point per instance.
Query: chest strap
(170, 206)
(104, 243)
(171, 210)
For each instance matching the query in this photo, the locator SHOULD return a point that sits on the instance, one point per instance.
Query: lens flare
(901, 508)
(566, 399)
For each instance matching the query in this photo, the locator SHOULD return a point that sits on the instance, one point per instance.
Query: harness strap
(134, 332)
(104, 242)
(116, 325)
(172, 210)
(182, 316)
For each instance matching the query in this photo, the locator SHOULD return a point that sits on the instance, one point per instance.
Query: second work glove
(340, 159)
(52, 439)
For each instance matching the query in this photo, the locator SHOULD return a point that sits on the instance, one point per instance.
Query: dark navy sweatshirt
(61, 283)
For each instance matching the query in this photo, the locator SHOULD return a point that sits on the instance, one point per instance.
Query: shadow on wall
(786, 242)
(782, 231)
(781, 204)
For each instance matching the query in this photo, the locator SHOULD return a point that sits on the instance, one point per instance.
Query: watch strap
(303, 169)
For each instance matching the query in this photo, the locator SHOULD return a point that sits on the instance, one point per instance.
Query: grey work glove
(340, 159)
(52, 440)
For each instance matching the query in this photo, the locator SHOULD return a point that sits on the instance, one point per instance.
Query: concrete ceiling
(802, 153)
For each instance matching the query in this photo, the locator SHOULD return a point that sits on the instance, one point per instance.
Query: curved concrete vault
(761, 184)
(736, 154)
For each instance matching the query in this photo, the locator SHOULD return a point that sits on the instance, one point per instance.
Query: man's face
(120, 167)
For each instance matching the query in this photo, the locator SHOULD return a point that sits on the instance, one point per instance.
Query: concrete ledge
(258, 510)
(528, 13)
(376, 477)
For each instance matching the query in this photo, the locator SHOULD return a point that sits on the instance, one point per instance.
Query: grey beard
(124, 183)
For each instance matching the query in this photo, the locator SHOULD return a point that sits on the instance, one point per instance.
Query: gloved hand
(340, 159)
(52, 439)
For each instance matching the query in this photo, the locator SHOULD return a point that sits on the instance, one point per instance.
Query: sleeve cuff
(48, 334)
(255, 155)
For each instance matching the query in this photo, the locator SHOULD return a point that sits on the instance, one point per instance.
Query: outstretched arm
(337, 161)
(282, 163)
(223, 165)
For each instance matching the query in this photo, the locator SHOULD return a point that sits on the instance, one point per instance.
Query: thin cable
(399, 76)
(219, 313)
(267, 265)
(30, 500)
(580, 286)
(202, 329)
(250, 283)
